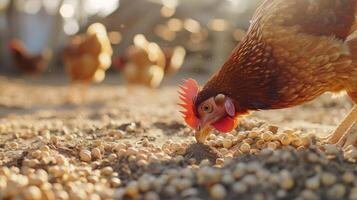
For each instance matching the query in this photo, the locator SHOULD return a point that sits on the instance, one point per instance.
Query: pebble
(239, 188)
(132, 189)
(96, 153)
(85, 155)
(336, 192)
(227, 143)
(32, 193)
(218, 192)
(312, 183)
(245, 148)
(328, 179)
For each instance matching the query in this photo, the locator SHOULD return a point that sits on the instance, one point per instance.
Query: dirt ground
(127, 144)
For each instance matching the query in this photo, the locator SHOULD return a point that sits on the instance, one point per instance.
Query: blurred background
(206, 29)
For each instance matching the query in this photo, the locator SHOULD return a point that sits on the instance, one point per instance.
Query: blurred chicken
(294, 51)
(145, 63)
(174, 59)
(88, 56)
(32, 64)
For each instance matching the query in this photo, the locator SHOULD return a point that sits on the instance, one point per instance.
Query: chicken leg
(71, 91)
(77, 92)
(345, 135)
(84, 91)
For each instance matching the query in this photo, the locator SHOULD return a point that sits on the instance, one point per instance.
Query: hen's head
(16, 45)
(216, 112)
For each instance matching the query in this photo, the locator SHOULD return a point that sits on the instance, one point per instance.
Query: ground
(132, 143)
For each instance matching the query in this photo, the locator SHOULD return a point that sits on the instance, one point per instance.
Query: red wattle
(225, 125)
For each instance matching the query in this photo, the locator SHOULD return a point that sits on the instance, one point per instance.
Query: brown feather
(293, 52)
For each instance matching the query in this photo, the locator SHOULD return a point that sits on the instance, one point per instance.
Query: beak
(201, 134)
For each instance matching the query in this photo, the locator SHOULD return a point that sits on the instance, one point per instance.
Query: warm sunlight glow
(192, 25)
(115, 37)
(100, 7)
(239, 6)
(70, 27)
(164, 32)
(167, 11)
(170, 3)
(218, 24)
(51, 6)
(67, 10)
(140, 41)
(29, 6)
(175, 24)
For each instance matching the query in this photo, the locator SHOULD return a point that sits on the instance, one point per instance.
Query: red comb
(188, 93)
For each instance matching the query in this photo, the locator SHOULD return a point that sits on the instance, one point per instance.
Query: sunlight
(239, 6)
(51, 6)
(175, 24)
(192, 25)
(98, 7)
(218, 24)
(28, 6)
(67, 10)
(71, 27)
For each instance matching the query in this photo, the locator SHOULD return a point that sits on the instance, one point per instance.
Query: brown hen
(32, 64)
(88, 56)
(146, 63)
(294, 51)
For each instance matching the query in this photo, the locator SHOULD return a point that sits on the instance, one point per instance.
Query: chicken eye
(207, 108)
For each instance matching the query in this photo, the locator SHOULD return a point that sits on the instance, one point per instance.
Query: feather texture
(293, 52)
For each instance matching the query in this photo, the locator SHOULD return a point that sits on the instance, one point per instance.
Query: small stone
(267, 136)
(245, 148)
(336, 192)
(112, 157)
(309, 195)
(96, 153)
(115, 182)
(348, 177)
(239, 188)
(217, 191)
(32, 193)
(227, 143)
(151, 196)
(85, 155)
(189, 192)
(107, 171)
(13, 145)
(253, 134)
(286, 182)
(274, 129)
(132, 189)
(312, 183)
(328, 179)
(54, 139)
(285, 140)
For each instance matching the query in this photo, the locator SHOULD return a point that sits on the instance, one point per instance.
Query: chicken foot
(345, 134)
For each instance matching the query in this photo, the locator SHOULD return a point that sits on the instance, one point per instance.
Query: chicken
(145, 63)
(29, 63)
(174, 59)
(294, 51)
(88, 56)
